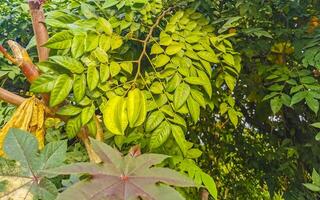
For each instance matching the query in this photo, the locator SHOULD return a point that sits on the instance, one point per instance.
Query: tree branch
(39, 28)
(10, 97)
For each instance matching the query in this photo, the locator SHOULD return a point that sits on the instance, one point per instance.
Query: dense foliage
(228, 89)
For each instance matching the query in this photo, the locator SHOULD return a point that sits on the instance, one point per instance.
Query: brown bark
(204, 194)
(39, 29)
(10, 97)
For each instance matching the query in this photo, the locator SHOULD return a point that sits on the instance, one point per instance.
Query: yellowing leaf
(165, 41)
(104, 73)
(104, 25)
(181, 95)
(79, 87)
(92, 77)
(92, 41)
(71, 64)
(115, 115)
(61, 40)
(116, 42)
(161, 60)
(114, 68)
(208, 56)
(173, 49)
(154, 120)
(78, 45)
(105, 42)
(127, 67)
(87, 114)
(156, 49)
(101, 55)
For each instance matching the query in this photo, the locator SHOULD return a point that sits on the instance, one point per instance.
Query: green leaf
(276, 105)
(228, 58)
(136, 108)
(312, 187)
(299, 96)
(101, 55)
(206, 82)
(194, 109)
(181, 95)
(165, 41)
(87, 114)
(208, 56)
(317, 124)
(104, 73)
(154, 120)
(88, 11)
(230, 81)
(317, 137)
(179, 137)
(105, 42)
(79, 87)
(156, 49)
(73, 127)
(312, 103)
(198, 97)
(173, 83)
(22, 147)
(116, 42)
(127, 67)
(194, 80)
(61, 40)
(115, 115)
(160, 135)
(92, 77)
(92, 41)
(194, 153)
(161, 60)
(156, 88)
(61, 90)
(104, 25)
(210, 184)
(173, 49)
(71, 64)
(92, 127)
(43, 84)
(78, 45)
(69, 110)
(114, 68)
(233, 116)
(53, 154)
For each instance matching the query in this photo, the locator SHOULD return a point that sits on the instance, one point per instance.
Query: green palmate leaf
(179, 137)
(101, 55)
(23, 147)
(79, 87)
(114, 68)
(233, 116)
(210, 184)
(78, 45)
(87, 114)
(92, 41)
(43, 84)
(115, 115)
(92, 77)
(73, 126)
(312, 103)
(69, 110)
(118, 177)
(161, 60)
(174, 82)
(127, 67)
(154, 120)
(206, 82)
(104, 73)
(156, 49)
(136, 108)
(299, 96)
(276, 104)
(208, 56)
(61, 40)
(181, 95)
(173, 49)
(71, 64)
(61, 90)
(105, 42)
(160, 135)
(194, 109)
(104, 25)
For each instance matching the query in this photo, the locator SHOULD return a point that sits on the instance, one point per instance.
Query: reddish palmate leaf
(123, 177)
